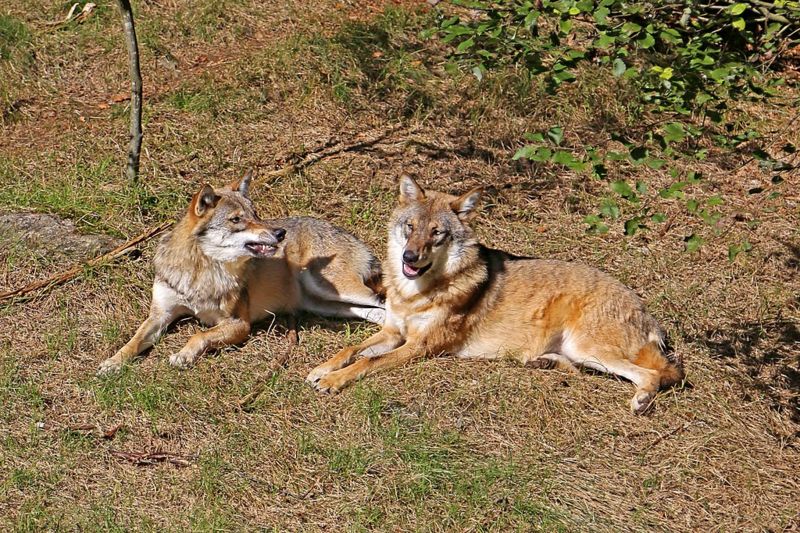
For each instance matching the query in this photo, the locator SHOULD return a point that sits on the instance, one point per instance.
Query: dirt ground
(350, 94)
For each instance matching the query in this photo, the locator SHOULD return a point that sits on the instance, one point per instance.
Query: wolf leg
(383, 341)
(376, 315)
(358, 300)
(145, 337)
(336, 381)
(226, 333)
(613, 361)
(549, 361)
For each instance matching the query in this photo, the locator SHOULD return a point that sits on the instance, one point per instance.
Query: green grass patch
(129, 391)
(93, 194)
(14, 35)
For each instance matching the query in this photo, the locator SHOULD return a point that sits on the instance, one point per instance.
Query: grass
(437, 445)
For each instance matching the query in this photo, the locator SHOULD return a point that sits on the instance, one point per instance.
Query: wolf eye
(438, 233)
(409, 226)
(235, 220)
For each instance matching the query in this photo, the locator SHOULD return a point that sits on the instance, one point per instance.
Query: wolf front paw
(182, 360)
(642, 401)
(331, 383)
(318, 373)
(109, 367)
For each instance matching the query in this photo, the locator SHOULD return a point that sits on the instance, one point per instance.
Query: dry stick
(151, 458)
(135, 146)
(63, 277)
(314, 156)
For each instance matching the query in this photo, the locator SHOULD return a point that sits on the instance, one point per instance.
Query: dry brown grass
(440, 445)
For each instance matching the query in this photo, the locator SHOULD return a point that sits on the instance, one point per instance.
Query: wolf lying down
(227, 267)
(446, 293)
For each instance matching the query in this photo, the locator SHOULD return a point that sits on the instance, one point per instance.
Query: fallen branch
(95, 429)
(63, 277)
(151, 458)
(330, 149)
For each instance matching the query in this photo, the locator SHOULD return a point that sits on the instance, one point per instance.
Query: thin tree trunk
(135, 147)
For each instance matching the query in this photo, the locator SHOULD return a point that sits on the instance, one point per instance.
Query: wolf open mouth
(412, 272)
(260, 249)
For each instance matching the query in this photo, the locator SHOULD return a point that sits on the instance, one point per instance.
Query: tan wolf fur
(227, 267)
(446, 293)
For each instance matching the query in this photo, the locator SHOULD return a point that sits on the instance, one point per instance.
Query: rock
(49, 233)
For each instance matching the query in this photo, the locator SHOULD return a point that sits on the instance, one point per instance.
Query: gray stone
(51, 234)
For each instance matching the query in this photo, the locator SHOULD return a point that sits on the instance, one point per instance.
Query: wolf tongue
(410, 270)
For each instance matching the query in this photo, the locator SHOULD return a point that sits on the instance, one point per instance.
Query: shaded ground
(443, 444)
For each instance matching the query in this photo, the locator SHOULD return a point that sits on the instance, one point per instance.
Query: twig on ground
(330, 149)
(63, 277)
(91, 429)
(151, 458)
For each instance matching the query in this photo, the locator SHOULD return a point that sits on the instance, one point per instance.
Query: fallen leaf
(120, 97)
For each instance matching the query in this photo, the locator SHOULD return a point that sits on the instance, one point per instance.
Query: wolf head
(226, 225)
(430, 231)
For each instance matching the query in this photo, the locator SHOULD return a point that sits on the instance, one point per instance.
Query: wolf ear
(242, 186)
(410, 191)
(204, 200)
(464, 205)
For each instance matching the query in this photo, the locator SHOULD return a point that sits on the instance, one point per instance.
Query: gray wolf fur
(228, 268)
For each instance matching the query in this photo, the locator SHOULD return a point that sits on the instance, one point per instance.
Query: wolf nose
(410, 257)
(279, 233)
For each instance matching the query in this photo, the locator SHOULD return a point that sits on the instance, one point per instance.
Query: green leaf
(670, 36)
(534, 137)
(595, 225)
(478, 72)
(674, 132)
(601, 14)
(619, 67)
(604, 40)
(693, 242)
(714, 201)
(737, 9)
(533, 153)
(556, 133)
(623, 189)
(673, 191)
(654, 163)
(692, 205)
(720, 74)
(465, 45)
(631, 27)
(609, 208)
(531, 19)
(646, 41)
(736, 249)
(563, 158)
(738, 23)
(632, 225)
(564, 75)
(658, 217)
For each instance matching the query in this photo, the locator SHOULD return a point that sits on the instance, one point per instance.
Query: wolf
(447, 293)
(228, 268)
